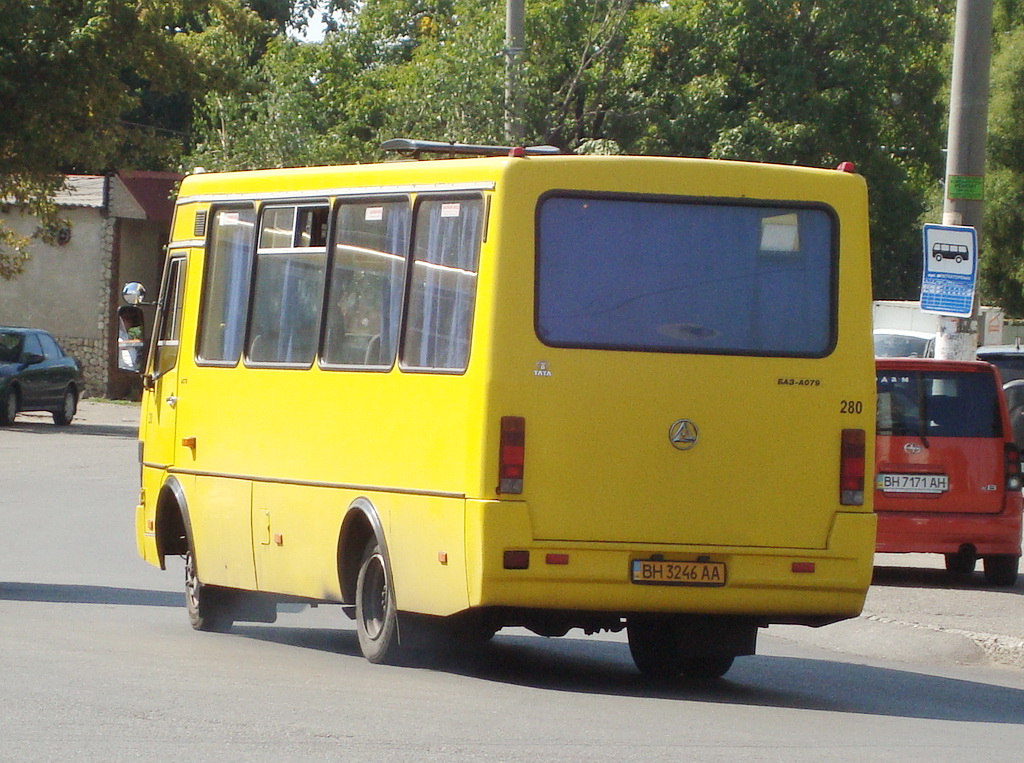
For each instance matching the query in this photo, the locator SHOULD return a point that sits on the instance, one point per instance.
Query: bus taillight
(511, 455)
(851, 468)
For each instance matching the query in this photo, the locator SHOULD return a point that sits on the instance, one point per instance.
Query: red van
(948, 475)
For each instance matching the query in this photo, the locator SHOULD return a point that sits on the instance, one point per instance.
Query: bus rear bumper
(801, 586)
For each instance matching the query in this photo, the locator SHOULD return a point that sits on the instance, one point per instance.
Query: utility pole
(514, 13)
(965, 158)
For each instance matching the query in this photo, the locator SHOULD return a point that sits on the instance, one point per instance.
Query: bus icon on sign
(957, 252)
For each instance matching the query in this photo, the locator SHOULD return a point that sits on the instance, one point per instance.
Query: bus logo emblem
(912, 448)
(683, 434)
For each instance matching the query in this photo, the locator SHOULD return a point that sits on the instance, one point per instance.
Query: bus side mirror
(134, 293)
(131, 344)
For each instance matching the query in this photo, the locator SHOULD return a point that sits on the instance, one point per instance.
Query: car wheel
(1001, 570)
(960, 564)
(208, 606)
(9, 406)
(376, 613)
(68, 408)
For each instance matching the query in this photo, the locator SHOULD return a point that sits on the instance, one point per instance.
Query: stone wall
(94, 357)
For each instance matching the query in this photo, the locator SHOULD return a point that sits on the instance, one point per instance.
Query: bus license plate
(912, 483)
(661, 572)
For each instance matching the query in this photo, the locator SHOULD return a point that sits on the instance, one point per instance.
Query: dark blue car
(37, 375)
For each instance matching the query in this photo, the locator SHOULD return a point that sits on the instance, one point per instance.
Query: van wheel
(68, 408)
(960, 564)
(1001, 570)
(376, 615)
(209, 607)
(655, 648)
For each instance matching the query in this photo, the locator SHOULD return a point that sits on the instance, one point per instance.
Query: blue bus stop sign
(950, 270)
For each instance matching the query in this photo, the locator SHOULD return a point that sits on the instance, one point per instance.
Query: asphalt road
(97, 661)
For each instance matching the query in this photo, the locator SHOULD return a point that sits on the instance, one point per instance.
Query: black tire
(68, 408)
(960, 564)
(1001, 569)
(209, 607)
(8, 407)
(655, 647)
(376, 614)
(707, 667)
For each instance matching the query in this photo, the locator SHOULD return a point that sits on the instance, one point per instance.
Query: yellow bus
(515, 388)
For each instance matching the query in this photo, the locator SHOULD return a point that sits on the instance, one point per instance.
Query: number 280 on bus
(513, 388)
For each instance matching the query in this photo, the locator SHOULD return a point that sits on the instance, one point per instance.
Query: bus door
(161, 424)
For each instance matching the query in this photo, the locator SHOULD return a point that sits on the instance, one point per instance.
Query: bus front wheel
(208, 606)
(376, 614)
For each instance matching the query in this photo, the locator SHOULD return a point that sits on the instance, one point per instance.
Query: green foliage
(69, 71)
(220, 84)
(805, 82)
(1001, 280)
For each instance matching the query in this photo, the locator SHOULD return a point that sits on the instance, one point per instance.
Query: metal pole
(514, 12)
(965, 158)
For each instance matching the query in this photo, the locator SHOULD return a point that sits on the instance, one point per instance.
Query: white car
(904, 343)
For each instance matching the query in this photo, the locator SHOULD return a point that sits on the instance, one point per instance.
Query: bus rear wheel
(661, 649)
(707, 666)
(655, 648)
(376, 614)
(209, 608)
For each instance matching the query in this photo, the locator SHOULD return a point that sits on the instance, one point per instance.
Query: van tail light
(511, 455)
(1013, 476)
(851, 468)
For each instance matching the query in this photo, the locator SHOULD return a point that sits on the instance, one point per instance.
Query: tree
(805, 81)
(92, 86)
(64, 86)
(1001, 280)
(789, 81)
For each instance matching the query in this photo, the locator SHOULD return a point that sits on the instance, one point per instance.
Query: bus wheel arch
(364, 570)
(172, 526)
(361, 524)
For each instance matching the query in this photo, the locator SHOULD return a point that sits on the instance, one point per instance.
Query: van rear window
(685, 275)
(938, 404)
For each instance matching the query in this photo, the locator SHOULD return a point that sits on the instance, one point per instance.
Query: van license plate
(912, 483)
(661, 572)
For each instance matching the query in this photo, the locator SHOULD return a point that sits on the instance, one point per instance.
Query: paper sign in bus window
(780, 233)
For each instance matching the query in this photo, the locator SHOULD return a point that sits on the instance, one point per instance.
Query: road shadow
(927, 577)
(595, 666)
(41, 427)
(59, 593)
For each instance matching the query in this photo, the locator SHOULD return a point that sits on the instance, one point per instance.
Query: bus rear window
(685, 275)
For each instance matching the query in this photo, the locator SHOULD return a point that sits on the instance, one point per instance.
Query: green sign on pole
(966, 187)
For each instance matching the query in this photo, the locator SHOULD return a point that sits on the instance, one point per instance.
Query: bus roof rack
(414, 148)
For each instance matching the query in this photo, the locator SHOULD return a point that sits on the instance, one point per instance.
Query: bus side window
(226, 285)
(367, 281)
(170, 321)
(291, 261)
(443, 284)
